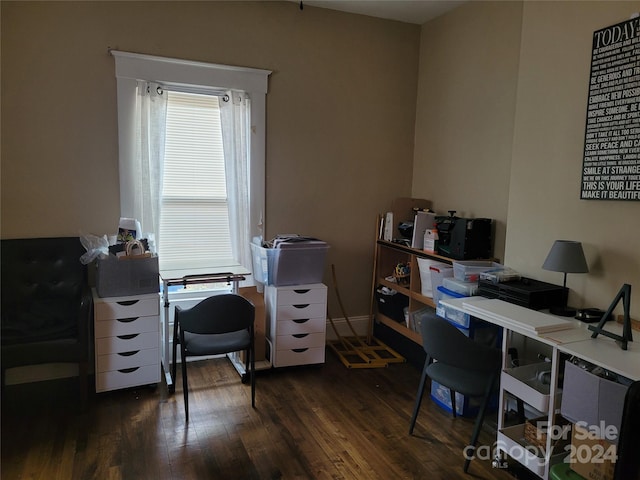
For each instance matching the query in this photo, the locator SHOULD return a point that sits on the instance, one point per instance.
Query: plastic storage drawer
(469, 271)
(457, 317)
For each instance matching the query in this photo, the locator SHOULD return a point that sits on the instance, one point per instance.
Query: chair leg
(247, 364)
(419, 395)
(452, 396)
(83, 375)
(185, 384)
(478, 423)
(252, 354)
(175, 349)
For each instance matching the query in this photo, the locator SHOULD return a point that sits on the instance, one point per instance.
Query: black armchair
(460, 364)
(46, 305)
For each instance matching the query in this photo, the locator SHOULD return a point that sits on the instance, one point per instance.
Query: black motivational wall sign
(611, 168)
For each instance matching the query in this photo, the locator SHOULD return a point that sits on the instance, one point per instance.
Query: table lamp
(565, 256)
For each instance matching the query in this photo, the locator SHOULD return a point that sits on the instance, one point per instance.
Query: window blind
(194, 223)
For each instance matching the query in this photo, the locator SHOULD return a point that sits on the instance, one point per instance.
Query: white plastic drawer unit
(302, 325)
(127, 307)
(127, 377)
(303, 356)
(127, 341)
(126, 326)
(301, 311)
(301, 294)
(126, 360)
(301, 340)
(297, 320)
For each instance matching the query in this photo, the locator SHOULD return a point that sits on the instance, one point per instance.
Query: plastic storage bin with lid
(465, 406)
(460, 319)
(293, 261)
(426, 276)
(468, 289)
(469, 271)
(438, 273)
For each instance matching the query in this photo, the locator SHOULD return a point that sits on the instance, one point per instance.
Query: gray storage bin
(298, 262)
(126, 277)
(592, 399)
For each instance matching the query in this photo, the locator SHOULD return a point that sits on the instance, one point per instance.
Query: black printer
(464, 238)
(525, 292)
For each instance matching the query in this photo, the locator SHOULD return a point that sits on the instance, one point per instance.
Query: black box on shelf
(464, 238)
(392, 306)
(525, 292)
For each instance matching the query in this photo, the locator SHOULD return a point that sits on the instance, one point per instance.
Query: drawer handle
(301, 320)
(300, 335)
(302, 292)
(302, 305)
(129, 370)
(127, 320)
(128, 354)
(128, 337)
(300, 350)
(127, 303)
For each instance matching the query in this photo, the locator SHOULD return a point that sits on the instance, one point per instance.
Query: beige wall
(340, 114)
(466, 105)
(500, 132)
(544, 197)
(499, 122)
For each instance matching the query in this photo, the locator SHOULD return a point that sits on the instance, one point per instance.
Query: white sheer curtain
(129, 68)
(146, 167)
(145, 171)
(235, 116)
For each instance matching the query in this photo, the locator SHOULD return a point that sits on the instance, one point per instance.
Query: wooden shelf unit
(387, 256)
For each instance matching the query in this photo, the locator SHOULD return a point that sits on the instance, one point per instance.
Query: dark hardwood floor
(316, 422)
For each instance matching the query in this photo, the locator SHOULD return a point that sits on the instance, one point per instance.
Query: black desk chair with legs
(217, 325)
(460, 364)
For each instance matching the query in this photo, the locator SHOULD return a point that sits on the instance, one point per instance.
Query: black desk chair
(460, 364)
(217, 325)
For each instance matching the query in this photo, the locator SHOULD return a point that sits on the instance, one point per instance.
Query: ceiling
(409, 11)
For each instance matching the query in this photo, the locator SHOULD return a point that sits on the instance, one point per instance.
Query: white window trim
(131, 67)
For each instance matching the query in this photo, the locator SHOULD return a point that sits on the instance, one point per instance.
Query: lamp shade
(566, 256)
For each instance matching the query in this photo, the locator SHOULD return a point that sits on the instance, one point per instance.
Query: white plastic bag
(95, 247)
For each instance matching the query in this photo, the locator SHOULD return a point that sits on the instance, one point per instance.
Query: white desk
(565, 336)
(574, 339)
(607, 353)
(191, 277)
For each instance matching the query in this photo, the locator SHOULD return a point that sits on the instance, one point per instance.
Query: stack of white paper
(516, 316)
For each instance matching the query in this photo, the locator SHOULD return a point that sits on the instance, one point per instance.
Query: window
(194, 210)
(170, 203)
